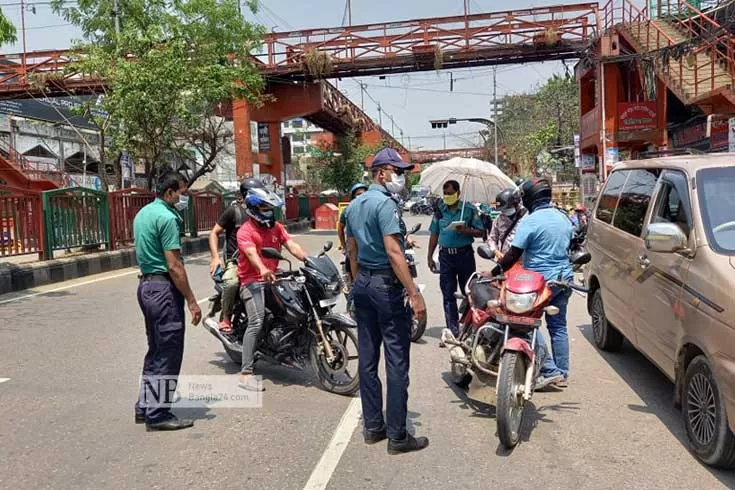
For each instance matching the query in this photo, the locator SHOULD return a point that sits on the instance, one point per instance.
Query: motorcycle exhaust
(456, 352)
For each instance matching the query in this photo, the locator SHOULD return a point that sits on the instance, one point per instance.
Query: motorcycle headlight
(520, 303)
(334, 287)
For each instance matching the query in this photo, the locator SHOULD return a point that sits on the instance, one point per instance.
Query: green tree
(543, 120)
(167, 73)
(7, 30)
(341, 165)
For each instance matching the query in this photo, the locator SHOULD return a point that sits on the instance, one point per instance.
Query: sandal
(225, 328)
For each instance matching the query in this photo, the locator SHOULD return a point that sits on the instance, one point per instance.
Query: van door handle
(643, 261)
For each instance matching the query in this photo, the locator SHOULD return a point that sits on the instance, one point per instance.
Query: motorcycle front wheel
(510, 403)
(340, 375)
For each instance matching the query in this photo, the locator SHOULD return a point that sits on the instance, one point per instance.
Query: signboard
(719, 134)
(587, 162)
(264, 139)
(88, 181)
(254, 136)
(577, 159)
(52, 109)
(612, 155)
(588, 186)
(636, 116)
(692, 136)
(731, 137)
(256, 170)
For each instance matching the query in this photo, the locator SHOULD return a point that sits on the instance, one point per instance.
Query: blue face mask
(267, 214)
(182, 203)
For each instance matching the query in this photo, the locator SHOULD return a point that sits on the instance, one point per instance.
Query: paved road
(73, 355)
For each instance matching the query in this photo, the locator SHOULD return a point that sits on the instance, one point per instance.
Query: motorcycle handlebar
(568, 285)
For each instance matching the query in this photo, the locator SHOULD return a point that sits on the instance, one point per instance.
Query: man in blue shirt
(375, 236)
(543, 239)
(456, 256)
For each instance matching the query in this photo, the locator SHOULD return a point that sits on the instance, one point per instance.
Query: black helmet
(508, 199)
(535, 192)
(251, 183)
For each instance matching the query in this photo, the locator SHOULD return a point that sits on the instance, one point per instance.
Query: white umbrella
(478, 181)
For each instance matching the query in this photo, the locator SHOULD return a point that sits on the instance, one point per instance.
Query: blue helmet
(260, 197)
(356, 188)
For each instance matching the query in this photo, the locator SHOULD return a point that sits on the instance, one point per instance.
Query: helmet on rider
(507, 201)
(535, 193)
(251, 183)
(357, 187)
(260, 205)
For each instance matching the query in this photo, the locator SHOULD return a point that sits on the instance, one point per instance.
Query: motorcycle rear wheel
(510, 403)
(418, 327)
(337, 335)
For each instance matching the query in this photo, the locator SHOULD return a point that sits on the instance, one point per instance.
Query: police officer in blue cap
(375, 235)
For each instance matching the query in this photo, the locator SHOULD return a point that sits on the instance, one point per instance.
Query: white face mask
(509, 212)
(183, 203)
(396, 184)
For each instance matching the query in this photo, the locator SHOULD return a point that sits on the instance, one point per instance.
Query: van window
(672, 204)
(609, 197)
(634, 200)
(717, 204)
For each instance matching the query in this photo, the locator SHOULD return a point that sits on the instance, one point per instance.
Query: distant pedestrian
(162, 290)
(383, 284)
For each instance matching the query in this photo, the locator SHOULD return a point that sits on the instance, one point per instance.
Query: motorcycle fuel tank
(284, 301)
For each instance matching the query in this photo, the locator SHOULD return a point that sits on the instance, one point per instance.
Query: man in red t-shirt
(254, 270)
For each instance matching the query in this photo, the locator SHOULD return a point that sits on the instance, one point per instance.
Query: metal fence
(21, 221)
(124, 205)
(75, 217)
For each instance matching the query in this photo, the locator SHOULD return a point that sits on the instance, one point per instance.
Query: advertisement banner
(577, 159)
(254, 136)
(264, 138)
(636, 116)
(731, 137)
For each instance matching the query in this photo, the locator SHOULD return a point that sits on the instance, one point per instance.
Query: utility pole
(495, 112)
(23, 28)
(362, 96)
(116, 13)
(349, 12)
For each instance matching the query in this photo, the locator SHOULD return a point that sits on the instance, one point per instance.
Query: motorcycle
(299, 323)
(497, 342)
(418, 327)
(578, 245)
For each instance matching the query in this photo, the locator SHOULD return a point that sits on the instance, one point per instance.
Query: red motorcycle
(496, 353)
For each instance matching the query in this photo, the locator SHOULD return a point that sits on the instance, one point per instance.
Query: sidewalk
(26, 271)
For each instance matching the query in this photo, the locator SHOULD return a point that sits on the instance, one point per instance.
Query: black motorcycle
(418, 327)
(578, 246)
(299, 323)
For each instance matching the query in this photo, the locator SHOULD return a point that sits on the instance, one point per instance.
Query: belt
(155, 276)
(455, 251)
(378, 272)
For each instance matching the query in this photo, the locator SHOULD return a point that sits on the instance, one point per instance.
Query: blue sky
(412, 99)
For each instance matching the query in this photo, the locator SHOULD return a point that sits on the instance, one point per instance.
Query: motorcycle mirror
(485, 252)
(416, 228)
(328, 246)
(272, 253)
(581, 258)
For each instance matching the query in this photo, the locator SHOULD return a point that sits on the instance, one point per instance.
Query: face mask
(396, 184)
(183, 203)
(451, 199)
(509, 212)
(267, 214)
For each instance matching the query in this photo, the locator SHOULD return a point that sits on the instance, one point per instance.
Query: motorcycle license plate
(518, 320)
(324, 303)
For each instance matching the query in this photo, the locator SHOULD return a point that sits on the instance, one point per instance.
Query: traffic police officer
(376, 244)
(162, 290)
(456, 257)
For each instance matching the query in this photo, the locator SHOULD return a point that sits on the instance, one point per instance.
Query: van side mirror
(665, 238)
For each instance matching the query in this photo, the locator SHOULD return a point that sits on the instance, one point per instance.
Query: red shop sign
(635, 116)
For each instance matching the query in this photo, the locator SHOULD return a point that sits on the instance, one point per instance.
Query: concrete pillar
(275, 155)
(243, 150)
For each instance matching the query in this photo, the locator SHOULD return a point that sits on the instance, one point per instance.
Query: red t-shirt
(252, 235)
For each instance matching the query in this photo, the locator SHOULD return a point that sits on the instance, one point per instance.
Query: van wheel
(607, 337)
(705, 420)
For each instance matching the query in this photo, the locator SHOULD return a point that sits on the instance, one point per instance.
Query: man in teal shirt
(162, 290)
(456, 256)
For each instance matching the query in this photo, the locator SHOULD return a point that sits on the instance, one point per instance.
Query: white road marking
(324, 469)
(3, 380)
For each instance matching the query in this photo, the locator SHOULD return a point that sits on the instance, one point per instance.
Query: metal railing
(75, 217)
(21, 221)
(124, 205)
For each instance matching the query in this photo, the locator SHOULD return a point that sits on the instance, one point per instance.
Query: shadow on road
(654, 388)
(278, 375)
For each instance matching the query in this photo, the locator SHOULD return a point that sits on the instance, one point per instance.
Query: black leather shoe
(173, 423)
(373, 437)
(140, 418)
(410, 443)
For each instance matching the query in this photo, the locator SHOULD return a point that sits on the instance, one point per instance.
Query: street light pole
(23, 28)
(495, 113)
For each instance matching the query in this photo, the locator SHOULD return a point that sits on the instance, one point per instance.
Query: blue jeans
(454, 270)
(558, 362)
(383, 316)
